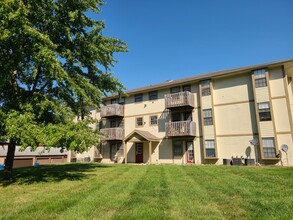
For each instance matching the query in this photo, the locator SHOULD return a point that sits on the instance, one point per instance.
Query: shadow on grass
(52, 173)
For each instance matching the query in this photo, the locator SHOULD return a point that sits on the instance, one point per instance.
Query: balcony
(113, 110)
(112, 134)
(180, 128)
(180, 99)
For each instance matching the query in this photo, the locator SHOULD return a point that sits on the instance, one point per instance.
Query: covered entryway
(141, 139)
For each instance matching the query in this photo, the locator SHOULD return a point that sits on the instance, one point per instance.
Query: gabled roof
(200, 77)
(144, 134)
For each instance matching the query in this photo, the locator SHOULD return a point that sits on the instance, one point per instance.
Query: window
(207, 117)
(153, 95)
(269, 147)
(153, 120)
(210, 148)
(116, 123)
(175, 89)
(176, 116)
(205, 88)
(186, 88)
(260, 78)
(113, 101)
(264, 111)
(122, 101)
(113, 124)
(139, 121)
(138, 98)
(187, 116)
(177, 146)
(120, 123)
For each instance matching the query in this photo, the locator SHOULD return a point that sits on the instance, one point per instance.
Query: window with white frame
(210, 148)
(260, 78)
(269, 148)
(264, 111)
(207, 117)
(205, 88)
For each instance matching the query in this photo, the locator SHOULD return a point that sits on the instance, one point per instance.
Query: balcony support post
(150, 152)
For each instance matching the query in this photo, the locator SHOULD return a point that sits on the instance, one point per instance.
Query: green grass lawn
(93, 191)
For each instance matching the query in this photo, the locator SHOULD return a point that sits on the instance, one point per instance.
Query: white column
(150, 152)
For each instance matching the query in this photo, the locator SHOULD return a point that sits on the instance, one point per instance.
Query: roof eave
(193, 79)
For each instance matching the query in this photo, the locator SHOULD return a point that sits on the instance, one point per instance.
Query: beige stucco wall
(266, 128)
(206, 102)
(281, 115)
(197, 119)
(289, 79)
(165, 151)
(234, 146)
(90, 153)
(286, 139)
(262, 94)
(232, 89)
(235, 119)
(198, 150)
(130, 152)
(276, 82)
(209, 132)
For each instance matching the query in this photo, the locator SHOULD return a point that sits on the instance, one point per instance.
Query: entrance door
(190, 152)
(139, 153)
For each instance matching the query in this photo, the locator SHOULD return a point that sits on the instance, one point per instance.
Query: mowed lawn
(93, 191)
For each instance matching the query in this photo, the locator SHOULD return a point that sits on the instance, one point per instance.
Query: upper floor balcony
(112, 134)
(180, 99)
(113, 110)
(180, 128)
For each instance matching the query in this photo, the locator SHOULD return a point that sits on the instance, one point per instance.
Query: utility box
(227, 162)
(236, 161)
(249, 162)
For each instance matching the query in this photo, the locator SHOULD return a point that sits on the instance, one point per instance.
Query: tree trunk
(9, 160)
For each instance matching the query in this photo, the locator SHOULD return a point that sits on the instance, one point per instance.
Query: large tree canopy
(54, 63)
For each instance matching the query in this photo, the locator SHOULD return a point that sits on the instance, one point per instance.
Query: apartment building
(202, 119)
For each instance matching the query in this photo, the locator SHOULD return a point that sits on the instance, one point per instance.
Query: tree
(54, 64)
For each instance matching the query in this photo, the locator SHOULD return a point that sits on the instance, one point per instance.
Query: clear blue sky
(172, 39)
